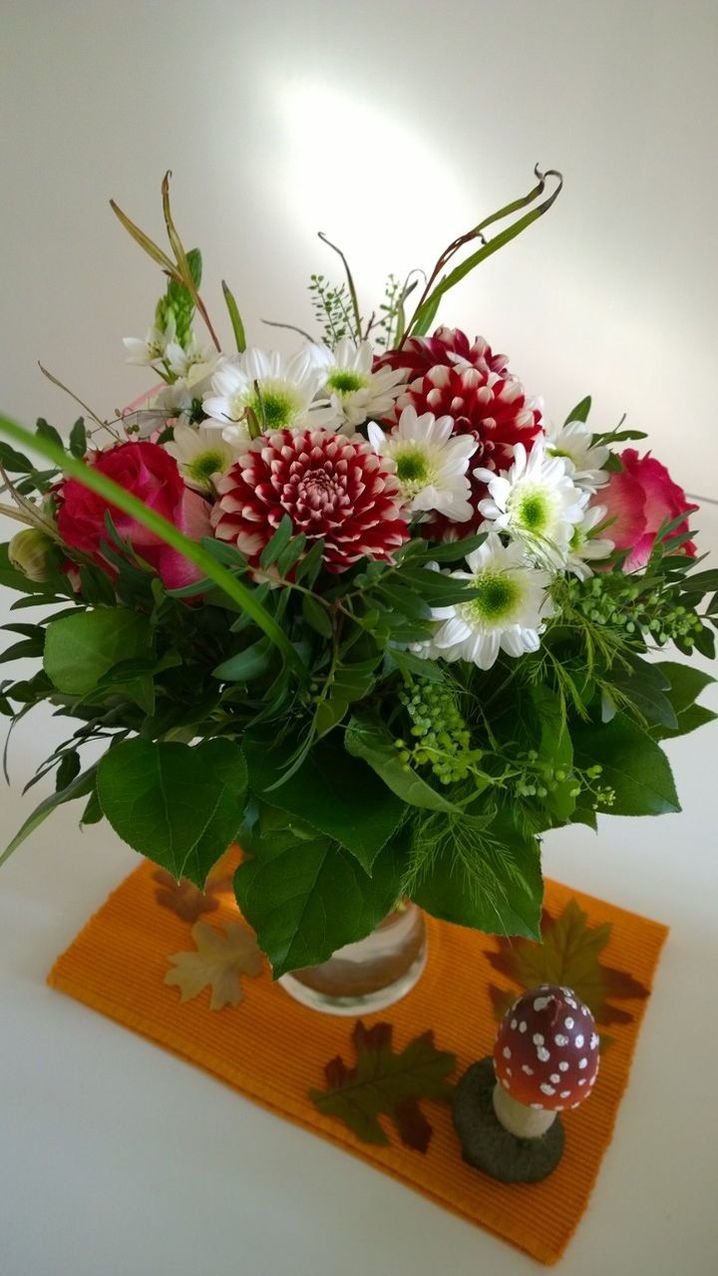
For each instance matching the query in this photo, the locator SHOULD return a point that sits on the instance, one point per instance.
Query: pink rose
(150, 474)
(639, 498)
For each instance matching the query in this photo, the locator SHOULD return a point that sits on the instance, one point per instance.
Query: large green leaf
(633, 765)
(179, 805)
(497, 888)
(81, 649)
(686, 684)
(367, 738)
(337, 794)
(307, 898)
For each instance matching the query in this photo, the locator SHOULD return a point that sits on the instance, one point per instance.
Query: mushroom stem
(518, 1119)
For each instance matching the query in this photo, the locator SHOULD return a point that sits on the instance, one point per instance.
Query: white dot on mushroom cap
(509, 1073)
(593, 1079)
(559, 1107)
(563, 1066)
(583, 1063)
(546, 1089)
(539, 1106)
(560, 1039)
(579, 1041)
(569, 1023)
(582, 1081)
(504, 1083)
(522, 1026)
(540, 1003)
(525, 1068)
(555, 1078)
(594, 1040)
(576, 1105)
(565, 1094)
(543, 1054)
(513, 1025)
(537, 1039)
(506, 1052)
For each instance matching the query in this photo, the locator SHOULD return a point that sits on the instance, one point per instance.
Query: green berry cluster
(441, 738)
(619, 602)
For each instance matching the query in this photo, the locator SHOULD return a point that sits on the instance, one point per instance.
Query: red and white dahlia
(448, 346)
(330, 486)
(492, 409)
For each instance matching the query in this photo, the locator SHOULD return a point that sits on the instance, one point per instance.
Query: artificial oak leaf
(386, 1083)
(220, 960)
(570, 954)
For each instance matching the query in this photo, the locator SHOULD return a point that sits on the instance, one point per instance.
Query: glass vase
(369, 975)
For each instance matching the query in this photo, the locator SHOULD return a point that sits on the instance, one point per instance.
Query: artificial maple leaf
(569, 955)
(219, 962)
(384, 1083)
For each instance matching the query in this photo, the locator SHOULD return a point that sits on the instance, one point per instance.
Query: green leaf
(46, 431)
(235, 318)
(316, 616)
(79, 787)
(686, 684)
(633, 765)
(454, 551)
(500, 893)
(179, 806)
(368, 739)
(554, 745)
(337, 794)
(580, 412)
(278, 542)
(78, 439)
(68, 770)
(247, 664)
(14, 462)
(307, 898)
(80, 649)
(644, 685)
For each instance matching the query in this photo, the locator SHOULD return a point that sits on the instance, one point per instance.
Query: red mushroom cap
(546, 1052)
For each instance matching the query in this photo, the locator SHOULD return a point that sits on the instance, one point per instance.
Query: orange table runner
(274, 1050)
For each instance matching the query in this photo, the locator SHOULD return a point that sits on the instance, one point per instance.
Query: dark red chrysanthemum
(448, 346)
(492, 408)
(330, 487)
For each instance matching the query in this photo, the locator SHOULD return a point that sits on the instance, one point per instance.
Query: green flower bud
(31, 552)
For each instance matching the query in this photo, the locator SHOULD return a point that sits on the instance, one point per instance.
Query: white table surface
(118, 1159)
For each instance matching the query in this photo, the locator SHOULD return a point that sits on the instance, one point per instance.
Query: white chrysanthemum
(143, 353)
(574, 442)
(278, 391)
(585, 546)
(179, 399)
(536, 502)
(354, 391)
(202, 453)
(508, 614)
(429, 463)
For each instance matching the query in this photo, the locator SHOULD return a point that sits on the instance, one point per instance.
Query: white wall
(392, 125)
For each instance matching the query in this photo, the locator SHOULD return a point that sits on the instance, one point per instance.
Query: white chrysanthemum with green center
(586, 545)
(202, 453)
(192, 362)
(355, 392)
(535, 502)
(508, 613)
(574, 442)
(430, 463)
(278, 392)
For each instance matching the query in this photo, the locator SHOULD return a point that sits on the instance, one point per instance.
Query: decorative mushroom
(545, 1060)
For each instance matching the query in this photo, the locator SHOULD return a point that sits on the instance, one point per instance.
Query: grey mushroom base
(487, 1146)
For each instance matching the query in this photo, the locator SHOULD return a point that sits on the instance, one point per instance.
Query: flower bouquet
(365, 609)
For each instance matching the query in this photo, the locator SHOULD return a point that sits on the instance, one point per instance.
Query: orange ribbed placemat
(274, 1050)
